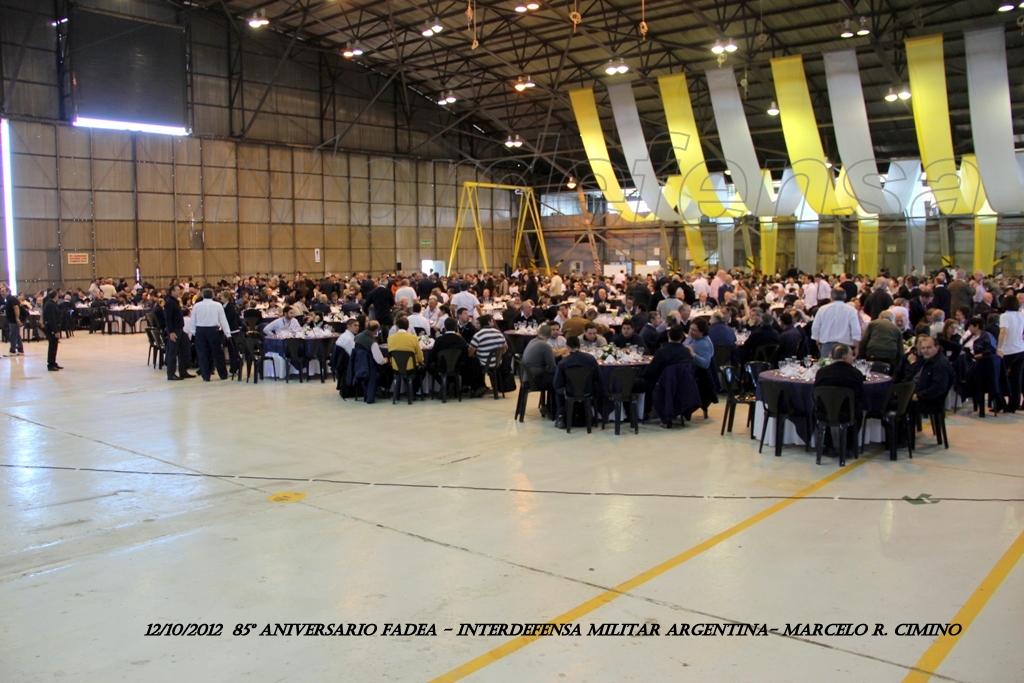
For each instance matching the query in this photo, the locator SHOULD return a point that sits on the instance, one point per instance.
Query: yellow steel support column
(469, 201)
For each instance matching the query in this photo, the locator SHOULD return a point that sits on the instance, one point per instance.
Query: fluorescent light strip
(126, 125)
(5, 154)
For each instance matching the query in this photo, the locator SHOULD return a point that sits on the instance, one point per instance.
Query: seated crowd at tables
(968, 318)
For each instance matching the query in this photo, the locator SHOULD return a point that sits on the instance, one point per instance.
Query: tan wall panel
(305, 260)
(115, 235)
(75, 174)
(116, 264)
(221, 235)
(359, 214)
(445, 217)
(409, 258)
(255, 261)
(360, 259)
(33, 138)
(358, 166)
(156, 235)
(309, 211)
(150, 177)
(360, 237)
(73, 142)
(113, 206)
(309, 236)
(425, 215)
(187, 179)
(282, 236)
(253, 183)
(281, 211)
(35, 234)
(190, 263)
(407, 238)
(186, 151)
(188, 208)
(358, 190)
(76, 236)
(382, 260)
(405, 192)
(280, 159)
(335, 164)
(111, 145)
(281, 185)
(406, 216)
(220, 182)
(338, 261)
(336, 213)
(336, 236)
(75, 204)
(157, 266)
(154, 148)
(336, 188)
(282, 261)
(218, 153)
(220, 209)
(254, 236)
(34, 171)
(114, 176)
(32, 268)
(253, 157)
(382, 215)
(221, 263)
(77, 273)
(251, 210)
(34, 203)
(156, 207)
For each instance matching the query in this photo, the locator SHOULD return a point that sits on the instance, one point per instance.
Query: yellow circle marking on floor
(286, 497)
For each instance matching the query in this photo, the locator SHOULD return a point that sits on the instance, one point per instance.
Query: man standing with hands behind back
(51, 327)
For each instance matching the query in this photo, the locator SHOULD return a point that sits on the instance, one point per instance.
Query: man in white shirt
(836, 323)
(810, 293)
(466, 299)
(716, 284)
(556, 286)
(347, 340)
(824, 288)
(1011, 348)
(287, 321)
(432, 312)
(700, 286)
(418, 323)
(406, 293)
(209, 322)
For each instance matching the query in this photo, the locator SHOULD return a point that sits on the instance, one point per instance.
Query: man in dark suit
(381, 301)
(575, 359)
(842, 374)
(672, 353)
(941, 297)
(179, 347)
(235, 323)
(960, 293)
(526, 316)
(879, 300)
(51, 328)
(472, 377)
(763, 334)
(792, 343)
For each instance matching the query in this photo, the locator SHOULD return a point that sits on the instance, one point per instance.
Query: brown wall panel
(115, 234)
(157, 266)
(309, 236)
(282, 261)
(360, 237)
(336, 236)
(190, 262)
(115, 264)
(255, 261)
(221, 262)
(282, 236)
(221, 235)
(35, 234)
(76, 236)
(254, 236)
(338, 261)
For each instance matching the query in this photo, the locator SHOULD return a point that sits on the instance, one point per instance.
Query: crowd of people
(944, 318)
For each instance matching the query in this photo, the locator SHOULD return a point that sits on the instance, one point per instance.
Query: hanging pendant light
(729, 45)
(845, 30)
(259, 20)
(864, 29)
(773, 110)
(571, 183)
(718, 48)
(450, 97)
(904, 93)
(891, 96)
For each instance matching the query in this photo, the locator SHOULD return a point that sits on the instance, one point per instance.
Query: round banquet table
(273, 350)
(517, 340)
(801, 393)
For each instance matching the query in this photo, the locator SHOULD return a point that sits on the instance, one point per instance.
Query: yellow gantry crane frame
(529, 212)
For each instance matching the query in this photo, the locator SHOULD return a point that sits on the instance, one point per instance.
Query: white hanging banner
(638, 155)
(790, 196)
(806, 238)
(737, 145)
(853, 136)
(726, 225)
(988, 89)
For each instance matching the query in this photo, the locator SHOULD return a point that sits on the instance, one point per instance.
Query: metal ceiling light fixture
(442, 99)
(436, 27)
(571, 183)
(729, 45)
(427, 32)
(773, 110)
(891, 96)
(351, 50)
(611, 68)
(259, 20)
(1005, 8)
(904, 93)
(520, 85)
(533, 6)
(864, 29)
(718, 48)
(357, 49)
(521, 7)
(622, 67)
(509, 142)
(846, 31)
(450, 97)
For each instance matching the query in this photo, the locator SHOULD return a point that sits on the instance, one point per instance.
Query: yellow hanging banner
(867, 246)
(682, 127)
(985, 221)
(769, 242)
(695, 245)
(927, 70)
(584, 106)
(800, 129)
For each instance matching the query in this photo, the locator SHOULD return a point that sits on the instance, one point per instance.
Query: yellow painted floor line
(579, 611)
(943, 645)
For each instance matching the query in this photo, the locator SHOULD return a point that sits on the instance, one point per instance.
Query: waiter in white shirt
(210, 322)
(836, 323)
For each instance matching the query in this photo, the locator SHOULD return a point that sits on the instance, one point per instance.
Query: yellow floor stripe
(933, 656)
(579, 611)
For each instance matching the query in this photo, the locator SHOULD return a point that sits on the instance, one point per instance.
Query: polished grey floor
(130, 501)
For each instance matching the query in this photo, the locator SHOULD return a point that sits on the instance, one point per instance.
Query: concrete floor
(131, 501)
